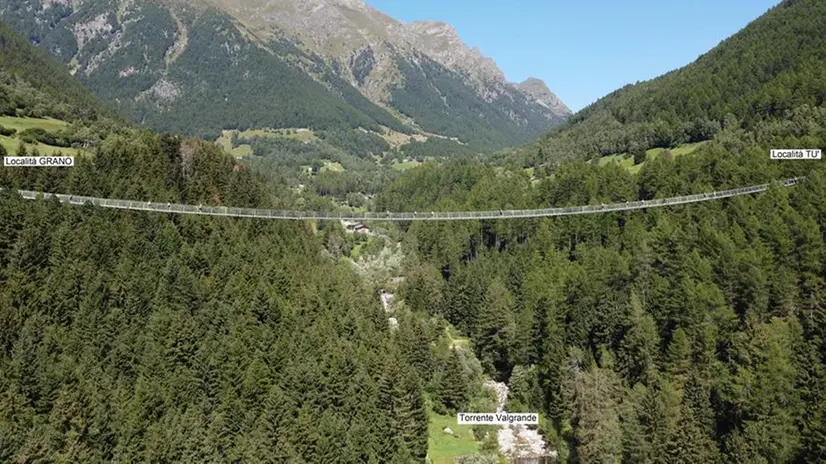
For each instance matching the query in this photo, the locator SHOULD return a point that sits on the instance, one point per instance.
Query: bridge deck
(175, 208)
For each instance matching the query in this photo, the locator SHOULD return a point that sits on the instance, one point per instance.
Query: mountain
(199, 67)
(539, 90)
(35, 84)
(764, 72)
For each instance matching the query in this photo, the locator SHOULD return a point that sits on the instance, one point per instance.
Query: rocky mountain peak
(538, 89)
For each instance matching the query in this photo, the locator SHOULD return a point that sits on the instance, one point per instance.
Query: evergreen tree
(549, 367)
(453, 391)
(495, 329)
(415, 344)
(594, 412)
(639, 345)
(689, 443)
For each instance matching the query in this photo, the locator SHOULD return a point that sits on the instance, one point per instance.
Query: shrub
(7, 131)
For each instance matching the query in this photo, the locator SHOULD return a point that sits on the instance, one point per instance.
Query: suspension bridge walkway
(173, 208)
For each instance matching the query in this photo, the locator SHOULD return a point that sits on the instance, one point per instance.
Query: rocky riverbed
(516, 440)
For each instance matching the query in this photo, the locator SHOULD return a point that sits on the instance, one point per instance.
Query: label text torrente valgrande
(500, 418)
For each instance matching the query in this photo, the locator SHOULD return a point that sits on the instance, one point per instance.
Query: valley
(306, 231)
(447, 441)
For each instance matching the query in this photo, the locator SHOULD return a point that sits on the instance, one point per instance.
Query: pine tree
(811, 382)
(679, 352)
(453, 391)
(689, 443)
(415, 344)
(524, 394)
(594, 413)
(763, 366)
(423, 290)
(639, 346)
(636, 445)
(414, 418)
(550, 338)
(495, 329)
(658, 412)
(274, 426)
(404, 416)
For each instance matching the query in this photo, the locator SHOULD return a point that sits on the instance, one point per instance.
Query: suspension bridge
(229, 211)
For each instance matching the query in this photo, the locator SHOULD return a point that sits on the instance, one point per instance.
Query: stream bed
(516, 440)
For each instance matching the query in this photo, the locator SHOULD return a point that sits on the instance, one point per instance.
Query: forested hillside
(686, 334)
(762, 73)
(34, 84)
(140, 337)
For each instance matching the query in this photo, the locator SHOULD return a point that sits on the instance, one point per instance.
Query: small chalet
(359, 228)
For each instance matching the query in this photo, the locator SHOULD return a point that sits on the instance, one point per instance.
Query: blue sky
(584, 49)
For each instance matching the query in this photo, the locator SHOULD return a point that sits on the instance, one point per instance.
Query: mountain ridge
(437, 39)
(274, 58)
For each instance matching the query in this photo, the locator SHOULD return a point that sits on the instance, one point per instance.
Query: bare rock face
(441, 42)
(91, 29)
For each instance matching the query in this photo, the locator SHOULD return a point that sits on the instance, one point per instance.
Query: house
(360, 228)
(356, 227)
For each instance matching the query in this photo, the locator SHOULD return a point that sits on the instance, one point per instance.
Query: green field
(241, 151)
(225, 140)
(406, 165)
(623, 159)
(684, 149)
(302, 135)
(253, 133)
(11, 144)
(443, 448)
(626, 161)
(20, 124)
